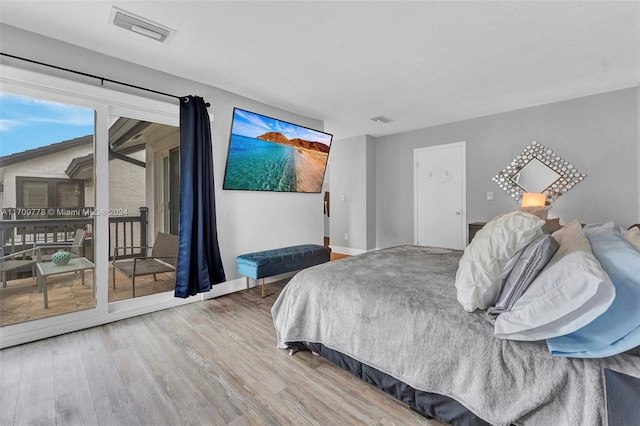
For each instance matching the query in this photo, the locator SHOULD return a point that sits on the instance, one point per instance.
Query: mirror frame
(569, 175)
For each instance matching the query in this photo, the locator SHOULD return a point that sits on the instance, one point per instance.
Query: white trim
(347, 250)
(104, 102)
(638, 149)
(226, 287)
(463, 161)
(35, 83)
(101, 222)
(240, 284)
(48, 328)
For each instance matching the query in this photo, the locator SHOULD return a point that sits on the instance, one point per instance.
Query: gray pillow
(531, 261)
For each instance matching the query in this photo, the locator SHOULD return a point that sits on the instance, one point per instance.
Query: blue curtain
(199, 263)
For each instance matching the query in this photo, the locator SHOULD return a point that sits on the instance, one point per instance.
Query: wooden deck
(21, 301)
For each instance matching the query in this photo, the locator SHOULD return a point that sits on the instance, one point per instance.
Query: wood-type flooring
(207, 363)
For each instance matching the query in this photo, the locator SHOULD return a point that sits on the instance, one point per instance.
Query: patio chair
(163, 258)
(75, 247)
(18, 260)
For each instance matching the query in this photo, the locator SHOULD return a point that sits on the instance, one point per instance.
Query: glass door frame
(105, 102)
(168, 204)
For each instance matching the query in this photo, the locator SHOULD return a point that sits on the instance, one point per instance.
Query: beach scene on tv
(266, 154)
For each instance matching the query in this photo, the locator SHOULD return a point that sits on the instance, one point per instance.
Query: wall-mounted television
(266, 154)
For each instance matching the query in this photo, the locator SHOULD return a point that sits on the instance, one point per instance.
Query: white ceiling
(419, 63)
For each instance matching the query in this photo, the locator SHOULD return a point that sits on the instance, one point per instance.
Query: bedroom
(567, 120)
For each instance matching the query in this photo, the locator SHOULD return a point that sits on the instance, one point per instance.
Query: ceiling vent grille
(381, 120)
(140, 25)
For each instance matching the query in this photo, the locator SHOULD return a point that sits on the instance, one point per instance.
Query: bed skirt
(429, 405)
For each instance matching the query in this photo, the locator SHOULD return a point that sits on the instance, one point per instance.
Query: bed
(392, 318)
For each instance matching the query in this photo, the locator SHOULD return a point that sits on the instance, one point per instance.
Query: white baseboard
(347, 250)
(226, 287)
(238, 284)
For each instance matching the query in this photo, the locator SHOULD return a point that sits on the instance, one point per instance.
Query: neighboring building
(36, 178)
(57, 180)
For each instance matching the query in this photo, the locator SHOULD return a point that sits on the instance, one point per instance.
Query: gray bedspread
(396, 310)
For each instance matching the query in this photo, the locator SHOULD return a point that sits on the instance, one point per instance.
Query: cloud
(252, 125)
(70, 120)
(25, 111)
(8, 125)
(254, 120)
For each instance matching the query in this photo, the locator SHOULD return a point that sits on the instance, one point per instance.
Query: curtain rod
(102, 79)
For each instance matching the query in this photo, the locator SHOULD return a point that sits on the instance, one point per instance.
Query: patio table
(45, 269)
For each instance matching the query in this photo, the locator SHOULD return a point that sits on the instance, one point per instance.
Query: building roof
(42, 151)
(126, 135)
(79, 166)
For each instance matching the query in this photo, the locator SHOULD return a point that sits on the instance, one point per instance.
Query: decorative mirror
(538, 169)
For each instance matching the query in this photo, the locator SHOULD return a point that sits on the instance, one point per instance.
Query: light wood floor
(337, 256)
(206, 363)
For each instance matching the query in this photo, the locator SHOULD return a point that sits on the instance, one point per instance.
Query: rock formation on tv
(278, 137)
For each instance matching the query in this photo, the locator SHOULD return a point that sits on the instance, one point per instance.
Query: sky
(27, 123)
(249, 124)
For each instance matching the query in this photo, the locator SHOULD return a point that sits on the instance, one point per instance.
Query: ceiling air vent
(140, 25)
(381, 120)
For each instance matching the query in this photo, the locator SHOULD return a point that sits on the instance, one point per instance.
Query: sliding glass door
(173, 180)
(48, 207)
(138, 182)
(100, 184)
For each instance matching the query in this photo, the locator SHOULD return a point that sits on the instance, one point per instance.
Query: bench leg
(261, 282)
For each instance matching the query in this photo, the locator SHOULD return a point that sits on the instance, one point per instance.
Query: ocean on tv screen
(271, 162)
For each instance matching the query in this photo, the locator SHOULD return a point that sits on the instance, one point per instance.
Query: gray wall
(247, 221)
(353, 194)
(598, 134)
(348, 192)
(371, 193)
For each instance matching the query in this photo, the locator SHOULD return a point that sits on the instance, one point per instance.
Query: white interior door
(440, 196)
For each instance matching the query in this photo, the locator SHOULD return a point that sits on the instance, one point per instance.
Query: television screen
(266, 154)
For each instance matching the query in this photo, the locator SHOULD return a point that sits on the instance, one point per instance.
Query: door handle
(458, 212)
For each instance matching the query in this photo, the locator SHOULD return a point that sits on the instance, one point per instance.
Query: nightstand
(475, 227)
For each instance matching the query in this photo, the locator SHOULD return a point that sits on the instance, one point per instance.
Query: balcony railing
(22, 234)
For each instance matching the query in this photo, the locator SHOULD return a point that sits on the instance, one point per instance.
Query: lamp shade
(532, 199)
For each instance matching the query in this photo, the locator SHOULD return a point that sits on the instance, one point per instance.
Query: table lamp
(532, 199)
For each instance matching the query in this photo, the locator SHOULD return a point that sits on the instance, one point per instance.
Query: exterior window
(69, 194)
(34, 194)
(49, 195)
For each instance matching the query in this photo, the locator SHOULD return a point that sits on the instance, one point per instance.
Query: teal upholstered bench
(268, 263)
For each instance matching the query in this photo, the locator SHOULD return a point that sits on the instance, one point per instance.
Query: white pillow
(633, 236)
(489, 258)
(569, 293)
